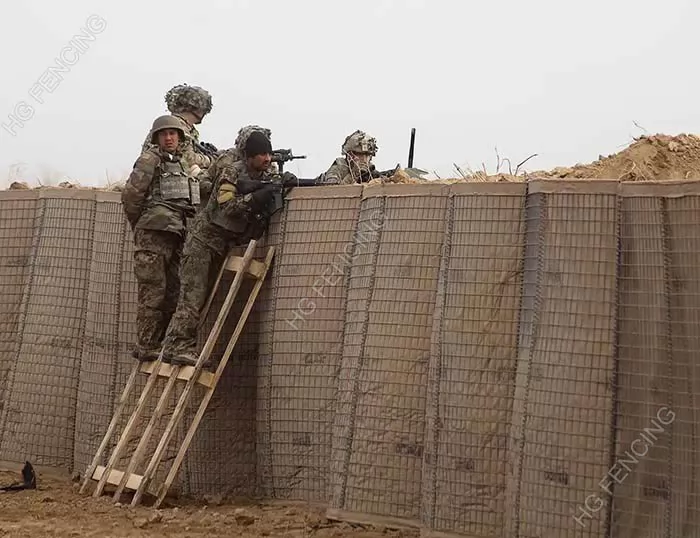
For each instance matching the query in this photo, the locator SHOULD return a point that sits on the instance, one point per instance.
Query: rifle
(281, 156)
(207, 148)
(281, 186)
(366, 175)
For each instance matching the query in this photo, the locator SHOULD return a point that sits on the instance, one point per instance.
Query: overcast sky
(565, 80)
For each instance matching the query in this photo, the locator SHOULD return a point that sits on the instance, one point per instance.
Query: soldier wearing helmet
(355, 166)
(230, 218)
(189, 104)
(158, 199)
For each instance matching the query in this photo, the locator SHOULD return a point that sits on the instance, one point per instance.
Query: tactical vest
(173, 184)
(227, 215)
(230, 215)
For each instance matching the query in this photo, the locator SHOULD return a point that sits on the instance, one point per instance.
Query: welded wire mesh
(300, 355)
(478, 360)
(472, 363)
(42, 383)
(654, 476)
(563, 405)
(380, 423)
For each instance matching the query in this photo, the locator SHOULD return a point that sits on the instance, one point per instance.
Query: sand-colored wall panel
(317, 242)
(382, 395)
(566, 422)
(17, 230)
(640, 476)
(475, 336)
(682, 418)
(100, 352)
(42, 390)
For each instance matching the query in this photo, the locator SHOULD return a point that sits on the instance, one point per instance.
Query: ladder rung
(205, 378)
(256, 269)
(115, 477)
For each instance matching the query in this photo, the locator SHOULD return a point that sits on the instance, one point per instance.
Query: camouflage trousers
(200, 264)
(157, 257)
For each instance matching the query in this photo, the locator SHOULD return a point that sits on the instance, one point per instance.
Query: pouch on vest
(174, 183)
(195, 198)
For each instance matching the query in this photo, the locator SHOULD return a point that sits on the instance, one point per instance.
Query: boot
(188, 358)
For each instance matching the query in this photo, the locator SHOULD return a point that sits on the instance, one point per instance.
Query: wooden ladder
(244, 266)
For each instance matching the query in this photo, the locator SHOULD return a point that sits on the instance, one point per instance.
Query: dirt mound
(656, 157)
(649, 158)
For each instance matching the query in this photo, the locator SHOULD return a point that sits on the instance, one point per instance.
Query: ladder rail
(121, 404)
(137, 455)
(204, 355)
(123, 399)
(163, 490)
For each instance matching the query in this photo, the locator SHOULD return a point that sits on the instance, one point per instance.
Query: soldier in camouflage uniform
(243, 133)
(158, 199)
(229, 219)
(358, 150)
(189, 104)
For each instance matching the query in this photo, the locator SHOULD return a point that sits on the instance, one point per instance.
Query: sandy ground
(56, 509)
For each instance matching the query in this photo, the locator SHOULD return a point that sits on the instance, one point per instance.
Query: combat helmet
(186, 98)
(360, 142)
(166, 122)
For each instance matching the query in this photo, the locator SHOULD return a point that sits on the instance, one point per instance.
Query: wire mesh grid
(655, 473)
(42, 386)
(18, 220)
(302, 353)
(478, 363)
(380, 422)
(472, 363)
(101, 346)
(564, 406)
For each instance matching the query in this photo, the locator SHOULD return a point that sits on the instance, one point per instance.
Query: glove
(262, 197)
(288, 177)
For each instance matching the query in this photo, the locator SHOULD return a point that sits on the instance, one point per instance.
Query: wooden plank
(235, 263)
(185, 373)
(115, 477)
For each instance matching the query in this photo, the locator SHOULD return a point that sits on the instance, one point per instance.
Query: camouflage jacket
(141, 209)
(339, 173)
(227, 215)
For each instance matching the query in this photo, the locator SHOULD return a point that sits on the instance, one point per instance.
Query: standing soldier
(230, 218)
(158, 199)
(190, 104)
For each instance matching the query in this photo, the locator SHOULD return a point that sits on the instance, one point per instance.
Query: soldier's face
(260, 162)
(168, 139)
(361, 158)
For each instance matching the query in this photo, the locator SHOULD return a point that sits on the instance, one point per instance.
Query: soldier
(190, 104)
(228, 219)
(243, 133)
(355, 166)
(158, 199)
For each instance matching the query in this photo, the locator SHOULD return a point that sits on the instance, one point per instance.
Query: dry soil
(56, 509)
